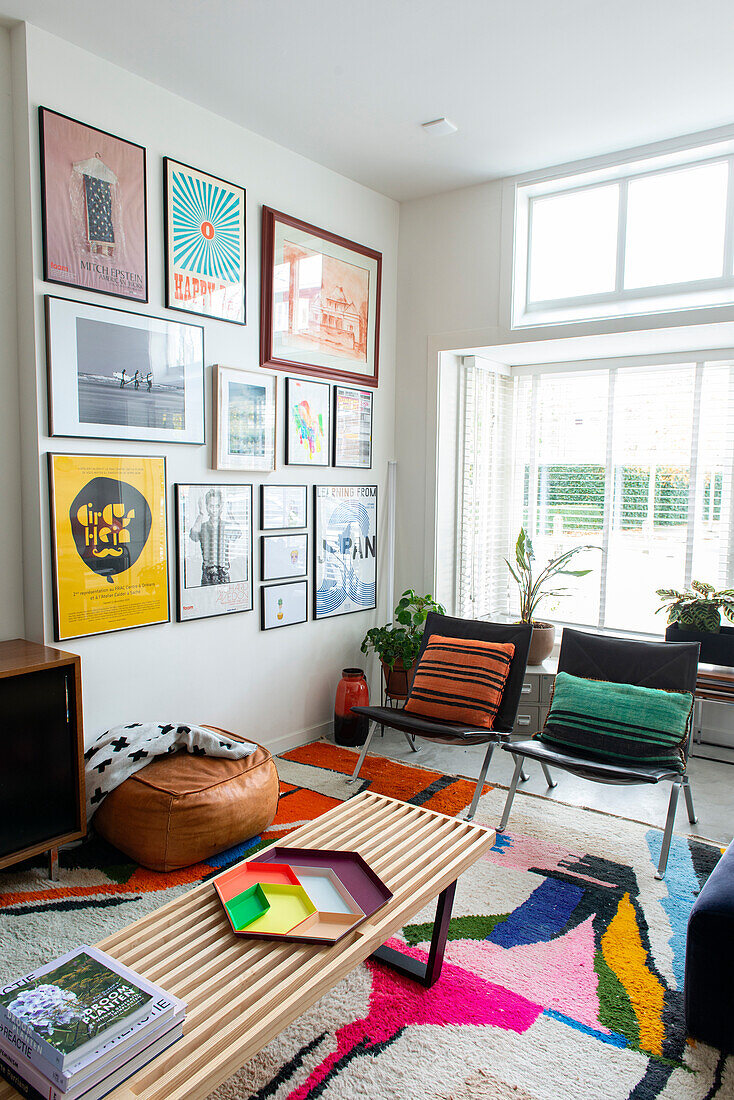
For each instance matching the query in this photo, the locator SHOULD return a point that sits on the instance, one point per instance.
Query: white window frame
(619, 302)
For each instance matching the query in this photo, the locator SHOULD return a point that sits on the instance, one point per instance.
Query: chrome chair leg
(689, 799)
(668, 833)
(523, 776)
(411, 741)
(365, 747)
(511, 795)
(548, 777)
(480, 781)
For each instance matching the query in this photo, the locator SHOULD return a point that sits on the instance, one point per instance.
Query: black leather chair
(669, 665)
(454, 733)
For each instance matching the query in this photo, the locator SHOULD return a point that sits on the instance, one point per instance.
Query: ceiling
(347, 83)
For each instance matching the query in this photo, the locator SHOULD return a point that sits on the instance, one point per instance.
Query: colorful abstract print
(207, 228)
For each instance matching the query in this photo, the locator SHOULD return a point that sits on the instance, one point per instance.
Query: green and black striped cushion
(618, 722)
(460, 680)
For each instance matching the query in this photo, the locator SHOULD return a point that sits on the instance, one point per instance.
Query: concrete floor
(712, 782)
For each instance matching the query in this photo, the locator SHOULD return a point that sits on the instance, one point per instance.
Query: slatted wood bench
(241, 993)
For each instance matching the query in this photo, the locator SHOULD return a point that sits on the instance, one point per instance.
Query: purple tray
(367, 889)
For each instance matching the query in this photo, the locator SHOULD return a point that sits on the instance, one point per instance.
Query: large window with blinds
(635, 461)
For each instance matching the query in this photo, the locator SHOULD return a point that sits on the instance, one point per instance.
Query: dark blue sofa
(709, 978)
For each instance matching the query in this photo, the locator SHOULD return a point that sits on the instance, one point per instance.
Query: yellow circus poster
(109, 531)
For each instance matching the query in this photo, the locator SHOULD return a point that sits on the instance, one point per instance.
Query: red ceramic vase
(352, 691)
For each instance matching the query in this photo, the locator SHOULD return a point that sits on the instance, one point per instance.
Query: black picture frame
(372, 491)
(265, 539)
(59, 389)
(265, 487)
(370, 394)
(167, 161)
(289, 383)
(234, 610)
(48, 275)
(283, 584)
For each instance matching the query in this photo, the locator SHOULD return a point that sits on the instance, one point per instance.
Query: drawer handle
(526, 689)
(524, 720)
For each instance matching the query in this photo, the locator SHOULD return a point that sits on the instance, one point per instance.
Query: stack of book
(78, 1027)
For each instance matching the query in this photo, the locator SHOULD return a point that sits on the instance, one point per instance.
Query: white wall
(277, 687)
(11, 577)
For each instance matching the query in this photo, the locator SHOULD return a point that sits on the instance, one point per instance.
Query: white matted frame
(213, 550)
(283, 556)
(307, 422)
(283, 604)
(245, 418)
(283, 507)
(352, 420)
(114, 374)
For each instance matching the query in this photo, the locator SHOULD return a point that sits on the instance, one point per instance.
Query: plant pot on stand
(398, 680)
(541, 642)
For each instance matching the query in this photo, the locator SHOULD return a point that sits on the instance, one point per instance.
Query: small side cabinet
(41, 751)
(534, 701)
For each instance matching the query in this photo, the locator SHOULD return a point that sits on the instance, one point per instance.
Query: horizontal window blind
(636, 462)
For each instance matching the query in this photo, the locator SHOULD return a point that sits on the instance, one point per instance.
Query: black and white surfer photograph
(115, 374)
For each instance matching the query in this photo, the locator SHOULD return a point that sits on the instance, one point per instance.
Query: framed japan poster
(110, 549)
(114, 374)
(352, 445)
(213, 550)
(320, 301)
(244, 419)
(283, 604)
(307, 422)
(94, 208)
(345, 554)
(204, 223)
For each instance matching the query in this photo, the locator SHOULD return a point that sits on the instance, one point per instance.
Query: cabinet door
(39, 768)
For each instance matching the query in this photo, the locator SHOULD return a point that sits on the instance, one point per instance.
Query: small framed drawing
(352, 446)
(283, 604)
(94, 208)
(213, 550)
(307, 422)
(244, 419)
(204, 222)
(109, 534)
(283, 556)
(113, 374)
(282, 506)
(345, 549)
(320, 301)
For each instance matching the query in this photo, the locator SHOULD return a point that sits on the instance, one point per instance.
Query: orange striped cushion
(460, 680)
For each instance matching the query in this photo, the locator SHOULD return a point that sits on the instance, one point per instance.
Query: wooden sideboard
(41, 751)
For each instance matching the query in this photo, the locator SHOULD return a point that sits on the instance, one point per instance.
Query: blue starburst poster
(205, 243)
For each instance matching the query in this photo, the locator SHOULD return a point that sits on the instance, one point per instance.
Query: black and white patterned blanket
(124, 750)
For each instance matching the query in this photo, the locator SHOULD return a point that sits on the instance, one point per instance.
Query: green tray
(246, 907)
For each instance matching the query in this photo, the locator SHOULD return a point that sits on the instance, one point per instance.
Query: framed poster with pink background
(93, 192)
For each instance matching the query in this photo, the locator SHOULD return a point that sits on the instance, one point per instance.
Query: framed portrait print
(109, 542)
(282, 506)
(244, 419)
(320, 301)
(204, 222)
(113, 374)
(283, 556)
(307, 422)
(94, 208)
(213, 550)
(283, 604)
(345, 549)
(352, 446)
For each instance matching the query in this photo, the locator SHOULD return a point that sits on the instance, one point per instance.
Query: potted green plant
(397, 644)
(533, 590)
(694, 615)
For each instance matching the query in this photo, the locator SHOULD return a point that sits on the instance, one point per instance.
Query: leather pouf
(181, 809)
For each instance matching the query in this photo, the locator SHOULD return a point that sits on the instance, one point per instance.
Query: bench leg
(668, 833)
(53, 864)
(427, 973)
(411, 741)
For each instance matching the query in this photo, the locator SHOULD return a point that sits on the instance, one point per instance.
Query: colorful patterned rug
(563, 973)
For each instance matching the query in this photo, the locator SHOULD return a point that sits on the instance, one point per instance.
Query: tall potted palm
(534, 589)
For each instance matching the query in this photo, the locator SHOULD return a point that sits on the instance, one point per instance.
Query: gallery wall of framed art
(145, 671)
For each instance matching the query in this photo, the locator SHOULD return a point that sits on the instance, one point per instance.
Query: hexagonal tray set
(303, 894)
